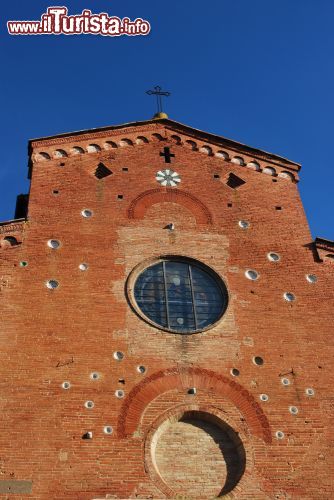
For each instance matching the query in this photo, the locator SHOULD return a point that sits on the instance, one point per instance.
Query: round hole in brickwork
(264, 397)
(107, 429)
(309, 391)
(192, 391)
(251, 274)
(279, 434)
(212, 441)
(311, 278)
(66, 385)
(94, 375)
(52, 284)
(54, 244)
(119, 355)
(293, 410)
(83, 267)
(235, 372)
(243, 224)
(86, 213)
(141, 369)
(23, 263)
(289, 296)
(285, 381)
(257, 360)
(119, 393)
(273, 257)
(89, 404)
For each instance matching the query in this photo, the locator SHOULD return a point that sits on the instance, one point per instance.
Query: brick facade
(277, 447)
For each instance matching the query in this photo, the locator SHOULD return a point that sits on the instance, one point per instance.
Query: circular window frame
(140, 268)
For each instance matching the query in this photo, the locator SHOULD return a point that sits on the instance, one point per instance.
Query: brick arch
(174, 378)
(145, 200)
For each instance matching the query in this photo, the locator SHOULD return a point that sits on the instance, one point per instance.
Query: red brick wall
(52, 336)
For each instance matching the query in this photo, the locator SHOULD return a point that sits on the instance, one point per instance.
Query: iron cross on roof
(158, 92)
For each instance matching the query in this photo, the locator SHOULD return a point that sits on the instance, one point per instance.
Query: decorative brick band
(11, 228)
(88, 135)
(182, 378)
(145, 200)
(326, 245)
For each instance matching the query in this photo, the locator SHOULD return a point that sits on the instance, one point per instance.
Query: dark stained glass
(150, 294)
(180, 296)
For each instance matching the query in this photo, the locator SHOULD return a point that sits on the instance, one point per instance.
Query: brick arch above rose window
(145, 200)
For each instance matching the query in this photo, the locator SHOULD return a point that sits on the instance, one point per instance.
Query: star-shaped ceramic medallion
(168, 177)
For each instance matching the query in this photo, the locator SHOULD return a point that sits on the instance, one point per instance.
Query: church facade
(165, 322)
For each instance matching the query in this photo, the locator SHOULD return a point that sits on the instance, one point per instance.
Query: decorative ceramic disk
(168, 178)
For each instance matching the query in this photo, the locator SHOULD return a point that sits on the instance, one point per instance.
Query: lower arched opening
(198, 455)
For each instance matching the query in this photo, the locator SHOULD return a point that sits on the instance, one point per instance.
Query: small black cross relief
(167, 155)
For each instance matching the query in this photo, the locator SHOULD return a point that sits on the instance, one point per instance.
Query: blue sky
(260, 72)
